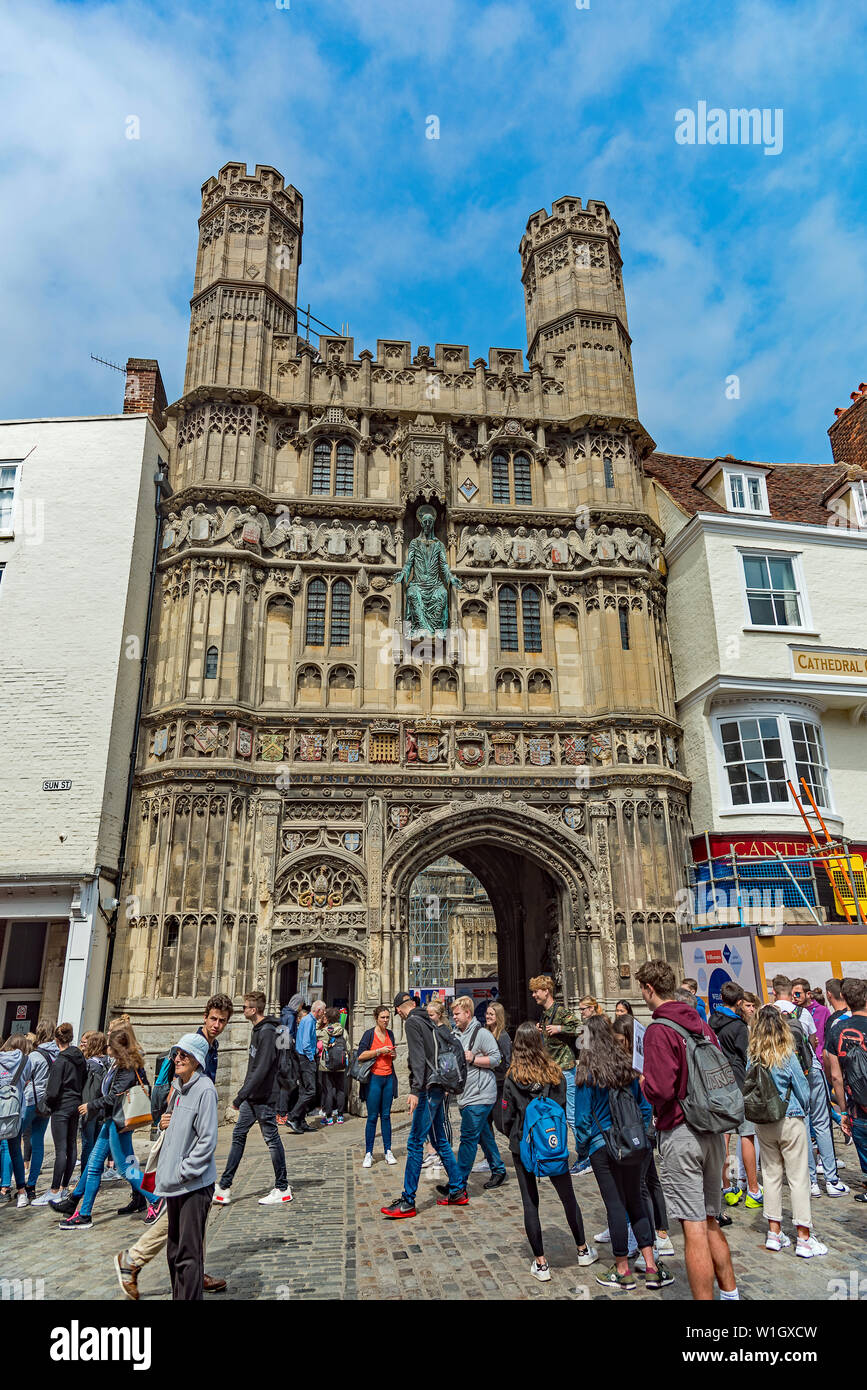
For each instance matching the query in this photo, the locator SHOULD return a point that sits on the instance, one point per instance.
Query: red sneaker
(460, 1199)
(399, 1209)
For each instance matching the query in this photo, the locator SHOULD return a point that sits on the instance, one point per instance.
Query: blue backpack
(545, 1141)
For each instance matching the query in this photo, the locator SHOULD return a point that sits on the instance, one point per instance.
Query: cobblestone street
(332, 1242)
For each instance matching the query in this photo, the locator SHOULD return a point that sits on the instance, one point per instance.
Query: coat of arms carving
(504, 749)
(470, 746)
(271, 747)
(206, 738)
(310, 747)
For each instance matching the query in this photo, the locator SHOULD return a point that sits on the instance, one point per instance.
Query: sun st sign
(57, 784)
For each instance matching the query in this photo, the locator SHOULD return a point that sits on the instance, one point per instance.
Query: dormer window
(859, 495)
(746, 492)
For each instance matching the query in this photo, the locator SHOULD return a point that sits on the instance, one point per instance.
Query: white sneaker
(810, 1247)
(663, 1247)
(836, 1189)
(429, 1161)
(543, 1275)
(604, 1237)
(367, 1161)
(820, 1168)
(23, 1199)
(815, 1190)
(275, 1197)
(222, 1195)
(389, 1157)
(589, 1257)
(776, 1240)
(840, 1163)
(483, 1167)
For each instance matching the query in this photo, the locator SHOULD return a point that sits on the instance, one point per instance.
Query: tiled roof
(795, 490)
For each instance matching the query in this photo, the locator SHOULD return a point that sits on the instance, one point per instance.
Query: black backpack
(449, 1067)
(802, 1046)
(288, 1070)
(627, 1141)
(852, 1052)
(334, 1053)
(96, 1070)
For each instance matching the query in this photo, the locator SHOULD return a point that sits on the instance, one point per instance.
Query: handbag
(360, 1071)
(149, 1176)
(136, 1107)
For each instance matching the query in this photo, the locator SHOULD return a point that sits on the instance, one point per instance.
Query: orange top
(384, 1064)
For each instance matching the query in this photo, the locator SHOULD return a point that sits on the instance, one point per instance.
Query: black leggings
(333, 1092)
(625, 1203)
(529, 1189)
(64, 1132)
(653, 1187)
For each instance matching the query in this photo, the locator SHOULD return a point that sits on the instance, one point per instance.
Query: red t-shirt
(384, 1064)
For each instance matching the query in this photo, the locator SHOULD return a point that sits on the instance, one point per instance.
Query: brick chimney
(145, 393)
(848, 434)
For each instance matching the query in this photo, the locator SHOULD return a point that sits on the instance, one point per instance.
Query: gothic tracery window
(333, 468)
(520, 631)
(511, 480)
(329, 608)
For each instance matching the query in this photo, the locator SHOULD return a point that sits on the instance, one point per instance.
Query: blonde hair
(500, 1013)
(438, 1007)
(542, 982)
(771, 1042)
(464, 1002)
(593, 1002)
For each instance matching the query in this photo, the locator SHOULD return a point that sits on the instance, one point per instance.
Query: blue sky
(735, 262)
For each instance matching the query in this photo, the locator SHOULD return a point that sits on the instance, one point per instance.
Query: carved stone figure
(298, 537)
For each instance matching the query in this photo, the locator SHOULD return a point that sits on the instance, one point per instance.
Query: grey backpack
(713, 1103)
(10, 1102)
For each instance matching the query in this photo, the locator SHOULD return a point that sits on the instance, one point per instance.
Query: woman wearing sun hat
(187, 1167)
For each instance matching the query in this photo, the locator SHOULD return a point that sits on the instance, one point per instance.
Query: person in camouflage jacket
(559, 1028)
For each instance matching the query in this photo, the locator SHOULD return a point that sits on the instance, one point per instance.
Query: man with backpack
(437, 1063)
(803, 1032)
(848, 1065)
(476, 1100)
(255, 1102)
(696, 1102)
(733, 1036)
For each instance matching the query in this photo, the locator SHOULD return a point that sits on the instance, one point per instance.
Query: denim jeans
(11, 1162)
(266, 1115)
(36, 1125)
(120, 1145)
(427, 1119)
(89, 1131)
(820, 1127)
(859, 1139)
(380, 1094)
(569, 1077)
(475, 1130)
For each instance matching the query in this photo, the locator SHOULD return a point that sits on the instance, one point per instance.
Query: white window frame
(859, 499)
(796, 557)
(746, 476)
(15, 464)
(783, 713)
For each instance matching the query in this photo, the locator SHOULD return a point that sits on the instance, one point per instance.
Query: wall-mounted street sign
(55, 784)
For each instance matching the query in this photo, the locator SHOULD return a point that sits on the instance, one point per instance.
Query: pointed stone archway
(545, 885)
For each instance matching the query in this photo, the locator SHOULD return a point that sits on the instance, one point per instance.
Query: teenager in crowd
(495, 1021)
(602, 1069)
(802, 998)
(305, 1047)
(436, 1010)
(332, 1072)
(785, 1142)
(380, 1089)
(691, 1160)
(623, 1008)
(818, 1111)
(559, 1029)
(692, 986)
(849, 1037)
(35, 1122)
(63, 1096)
(476, 1100)
(127, 1070)
(531, 1073)
(256, 1103)
(15, 1073)
(589, 1007)
(624, 1031)
(425, 1105)
(733, 1037)
(94, 1046)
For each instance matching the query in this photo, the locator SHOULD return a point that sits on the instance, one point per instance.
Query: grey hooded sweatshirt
(186, 1160)
(481, 1087)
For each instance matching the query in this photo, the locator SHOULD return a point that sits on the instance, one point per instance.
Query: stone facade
(304, 756)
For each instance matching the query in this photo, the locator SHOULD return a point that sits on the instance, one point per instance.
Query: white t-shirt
(806, 1021)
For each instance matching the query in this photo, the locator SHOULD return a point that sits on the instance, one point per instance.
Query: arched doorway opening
(324, 977)
(541, 884)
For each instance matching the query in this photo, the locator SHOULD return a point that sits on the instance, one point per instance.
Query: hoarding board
(716, 956)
